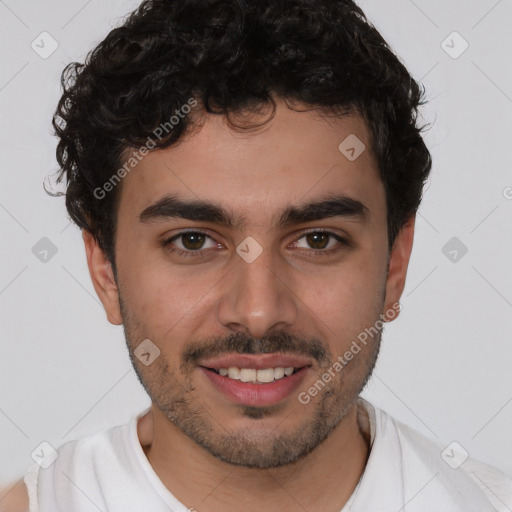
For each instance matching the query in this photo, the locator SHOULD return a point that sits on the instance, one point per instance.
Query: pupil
(313, 239)
(197, 240)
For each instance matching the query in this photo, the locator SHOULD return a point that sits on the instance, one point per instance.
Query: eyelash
(200, 253)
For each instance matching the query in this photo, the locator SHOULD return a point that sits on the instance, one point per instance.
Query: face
(254, 254)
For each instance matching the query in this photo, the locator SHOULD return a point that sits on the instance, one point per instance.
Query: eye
(191, 244)
(321, 241)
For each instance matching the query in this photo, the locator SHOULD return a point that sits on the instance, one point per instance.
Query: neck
(323, 480)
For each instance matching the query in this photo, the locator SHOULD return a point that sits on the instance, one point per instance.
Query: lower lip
(256, 395)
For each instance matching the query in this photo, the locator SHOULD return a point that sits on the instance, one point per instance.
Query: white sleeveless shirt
(110, 472)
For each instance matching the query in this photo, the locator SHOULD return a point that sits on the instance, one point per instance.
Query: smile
(253, 376)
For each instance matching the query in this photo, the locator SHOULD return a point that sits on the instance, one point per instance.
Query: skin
(177, 301)
(14, 498)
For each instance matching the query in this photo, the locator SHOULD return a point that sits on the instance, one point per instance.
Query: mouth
(256, 380)
(254, 376)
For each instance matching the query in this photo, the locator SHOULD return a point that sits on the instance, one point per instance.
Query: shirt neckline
(165, 494)
(170, 500)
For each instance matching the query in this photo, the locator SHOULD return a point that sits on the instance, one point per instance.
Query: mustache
(240, 343)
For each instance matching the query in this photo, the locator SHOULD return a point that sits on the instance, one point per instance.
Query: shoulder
(14, 498)
(454, 466)
(496, 484)
(86, 454)
(82, 458)
(23, 496)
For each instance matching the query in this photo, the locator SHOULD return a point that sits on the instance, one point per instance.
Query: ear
(398, 263)
(102, 278)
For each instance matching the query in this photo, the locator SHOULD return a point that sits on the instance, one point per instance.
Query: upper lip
(256, 361)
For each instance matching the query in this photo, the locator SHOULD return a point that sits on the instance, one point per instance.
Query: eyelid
(330, 231)
(341, 239)
(199, 252)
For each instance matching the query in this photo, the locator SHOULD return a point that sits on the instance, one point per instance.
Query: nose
(257, 297)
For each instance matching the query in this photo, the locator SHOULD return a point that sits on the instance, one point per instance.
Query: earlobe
(102, 276)
(398, 264)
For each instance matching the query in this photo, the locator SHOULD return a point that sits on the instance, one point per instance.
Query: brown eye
(192, 243)
(318, 240)
(321, 242)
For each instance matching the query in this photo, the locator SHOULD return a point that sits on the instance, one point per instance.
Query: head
(246, 176)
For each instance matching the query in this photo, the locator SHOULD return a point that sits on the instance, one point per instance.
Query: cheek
(167, 303)
(344, 301)
(344, 291)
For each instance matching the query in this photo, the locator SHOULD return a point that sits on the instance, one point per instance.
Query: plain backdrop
(445, 363)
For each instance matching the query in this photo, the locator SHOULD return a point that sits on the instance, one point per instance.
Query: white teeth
(247, 375)
(266, 375)
(278, 373)
(233, 373)
(251, 375)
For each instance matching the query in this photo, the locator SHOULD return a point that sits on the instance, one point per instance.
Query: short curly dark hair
(233, 56)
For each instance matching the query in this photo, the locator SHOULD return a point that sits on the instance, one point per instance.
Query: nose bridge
(256, 297)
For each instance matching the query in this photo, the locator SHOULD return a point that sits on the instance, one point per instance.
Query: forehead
(293, 159)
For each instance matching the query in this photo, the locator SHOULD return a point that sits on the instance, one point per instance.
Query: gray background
(445, 363)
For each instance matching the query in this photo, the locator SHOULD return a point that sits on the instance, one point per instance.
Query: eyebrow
(333, 205)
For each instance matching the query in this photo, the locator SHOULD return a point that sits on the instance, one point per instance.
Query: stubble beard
(173, 393)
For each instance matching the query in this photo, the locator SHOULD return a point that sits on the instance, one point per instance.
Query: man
(246, 176)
